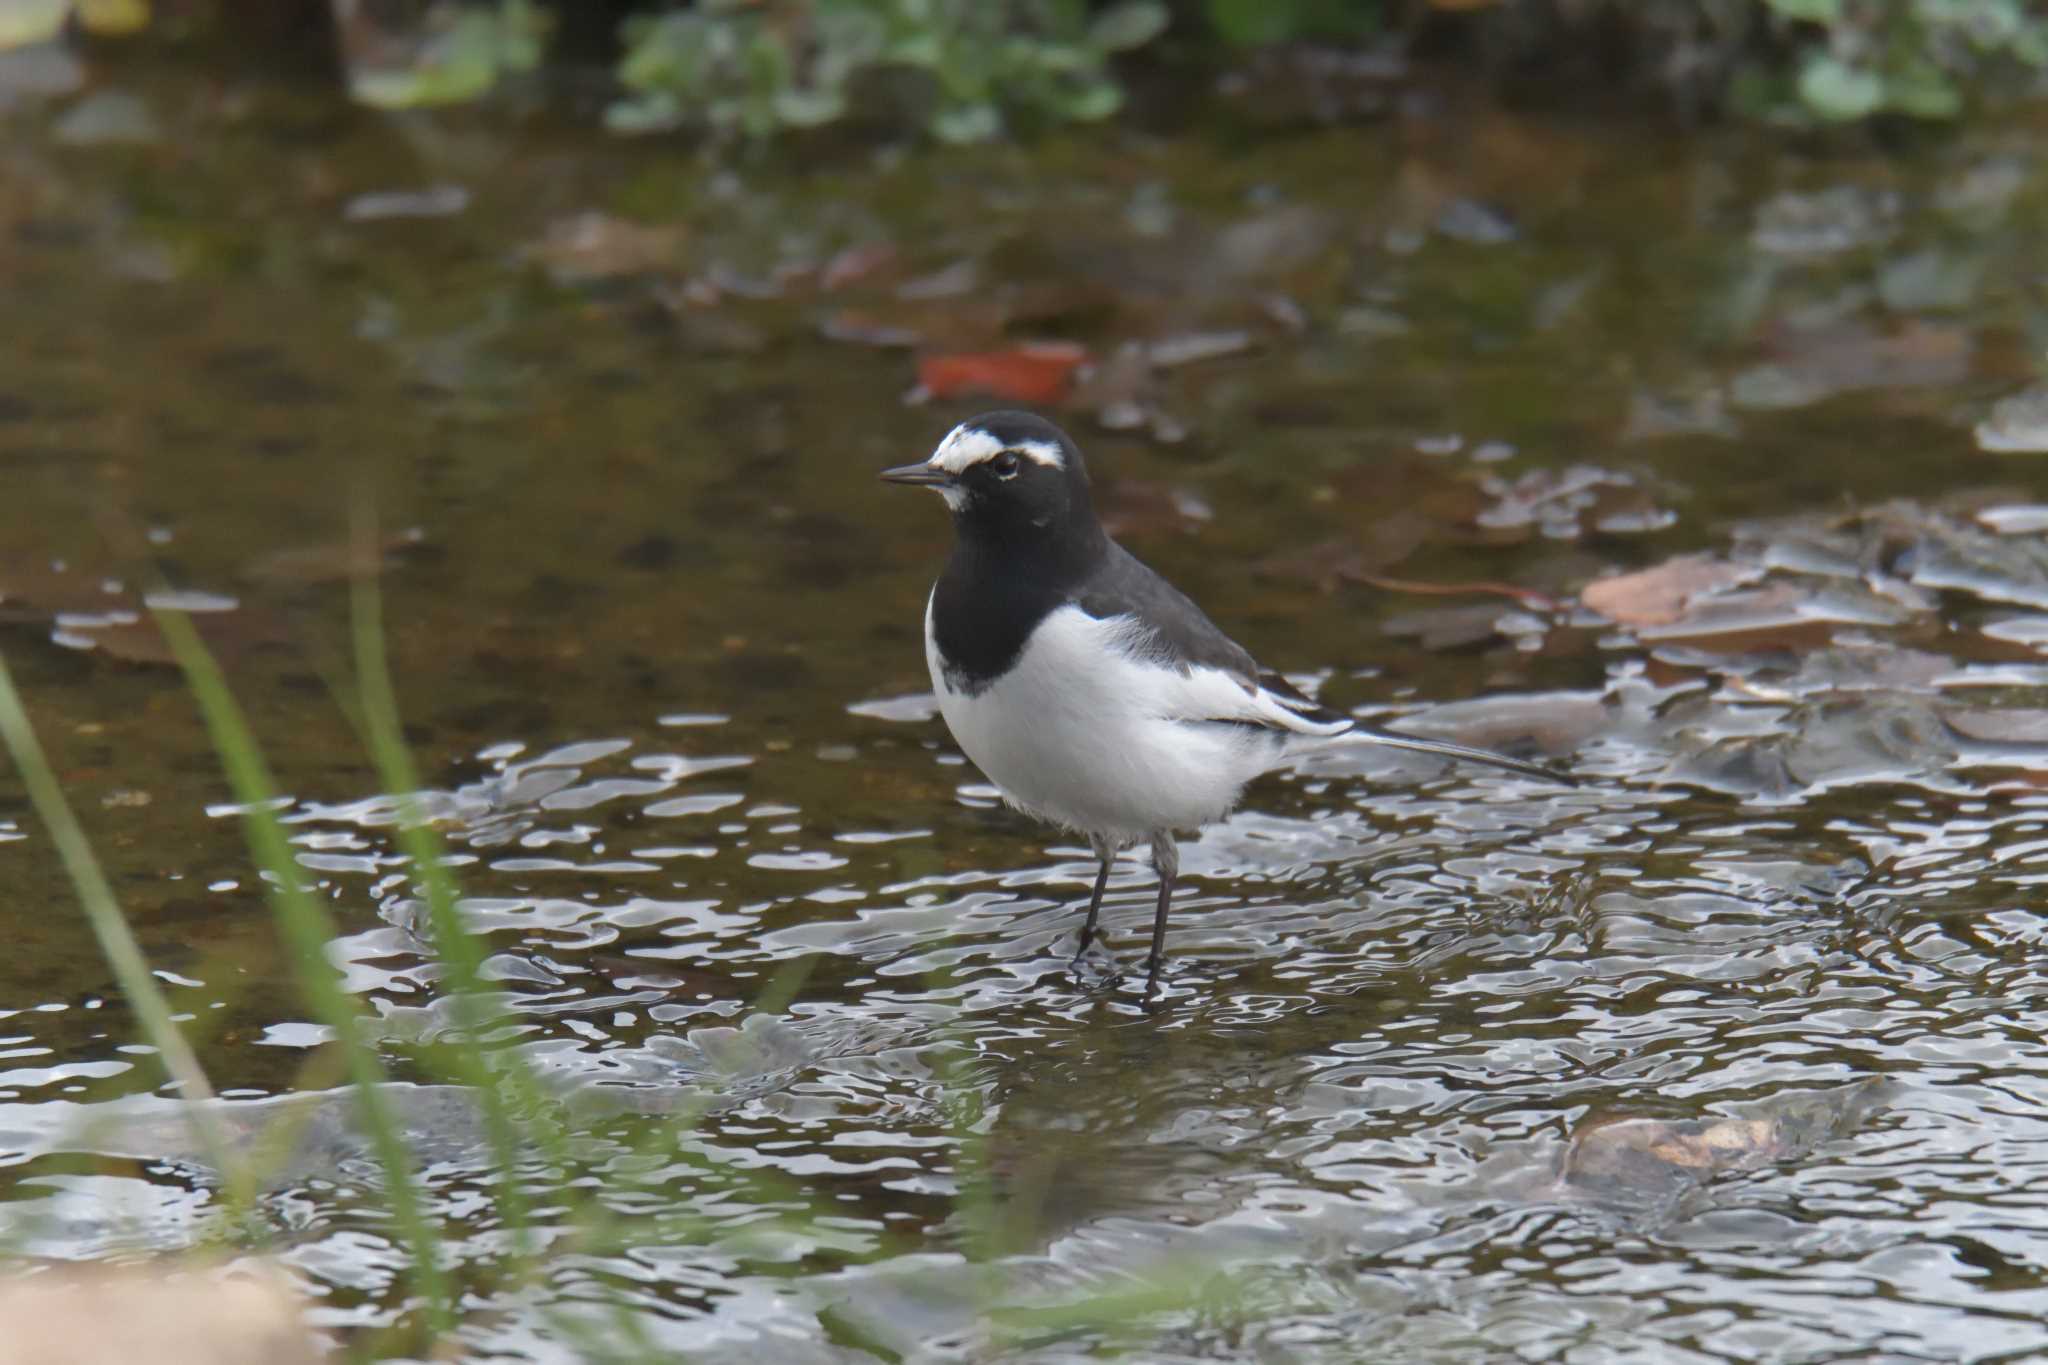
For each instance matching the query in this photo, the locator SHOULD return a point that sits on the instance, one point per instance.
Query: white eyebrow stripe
(965, 447)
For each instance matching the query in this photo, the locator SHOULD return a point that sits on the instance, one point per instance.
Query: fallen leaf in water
(950, 282)
(1653, 416)
(1661, 595)
(1819, 363)
(2015, 519)
(1277, 242)
(1643, 1167)
(334, 563)
(1655, 1155)
(1824, 222)
(1848, 666)
(1522, 723)
(171, 1312)
(866, 329)
(1775, 615)
(2018, 425)
(436, 201)
(2031, 631)
(596, 246)
(1190, 347)
(1940, 553)
(1998, 725)
(1036, 373)
(857, 265)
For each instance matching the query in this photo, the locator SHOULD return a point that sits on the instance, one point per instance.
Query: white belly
(1082, 733)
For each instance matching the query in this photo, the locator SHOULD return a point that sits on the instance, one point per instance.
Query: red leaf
(1036, 373)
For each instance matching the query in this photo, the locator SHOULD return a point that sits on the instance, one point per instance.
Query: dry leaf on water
(1036, 373)
(1662, 595)
(596, 246)
(162, 1313)
(339, 562)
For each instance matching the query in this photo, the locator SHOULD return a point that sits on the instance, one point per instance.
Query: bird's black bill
(1463, 753)
(917, 475)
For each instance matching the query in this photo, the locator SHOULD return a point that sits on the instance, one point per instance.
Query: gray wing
(1180, 636)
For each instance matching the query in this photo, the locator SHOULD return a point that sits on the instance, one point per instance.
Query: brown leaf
(1810, 365)
(182, 1312)
(1035, 373)
(596, 246)
(333, 563)
(1661, 595)
(1645, 1151)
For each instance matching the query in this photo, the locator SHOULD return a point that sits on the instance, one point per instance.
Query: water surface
(1734, 1053)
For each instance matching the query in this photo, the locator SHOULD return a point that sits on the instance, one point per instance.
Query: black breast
(984, 609)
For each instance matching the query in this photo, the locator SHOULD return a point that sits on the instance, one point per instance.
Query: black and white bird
(1090, 690)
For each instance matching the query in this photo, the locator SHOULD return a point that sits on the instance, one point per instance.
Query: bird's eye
(1005, 464)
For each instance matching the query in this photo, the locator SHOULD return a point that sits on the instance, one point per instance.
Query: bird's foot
(1093, 964)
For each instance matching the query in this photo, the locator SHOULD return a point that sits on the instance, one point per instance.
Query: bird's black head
(1011, 479)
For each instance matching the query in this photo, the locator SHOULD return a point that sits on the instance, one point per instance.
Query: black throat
(1001, 582)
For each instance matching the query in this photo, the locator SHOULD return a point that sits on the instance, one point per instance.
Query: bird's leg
(1166, 862)
(1106, 851)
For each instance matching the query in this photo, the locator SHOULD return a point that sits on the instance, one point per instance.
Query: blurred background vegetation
(971, 70)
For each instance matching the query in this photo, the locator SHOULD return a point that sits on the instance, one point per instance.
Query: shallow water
(657, 636)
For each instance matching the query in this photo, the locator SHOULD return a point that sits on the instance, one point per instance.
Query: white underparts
(1086, 731)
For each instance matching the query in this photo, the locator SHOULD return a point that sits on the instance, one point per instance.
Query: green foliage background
(972, 70)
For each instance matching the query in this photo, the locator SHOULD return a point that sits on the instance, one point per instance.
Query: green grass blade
(117, 944)
(308, 928)
(460, 953)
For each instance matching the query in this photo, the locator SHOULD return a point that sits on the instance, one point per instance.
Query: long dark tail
(1463, 753)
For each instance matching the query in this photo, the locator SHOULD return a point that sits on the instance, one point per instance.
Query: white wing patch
(1208, 694)
(966, 446)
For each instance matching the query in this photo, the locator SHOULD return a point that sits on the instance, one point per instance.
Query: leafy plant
(462, 52)
(1914, 57)
(755, 68)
